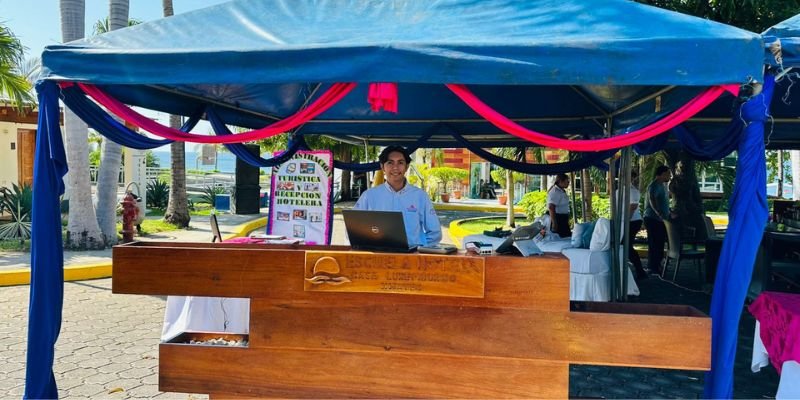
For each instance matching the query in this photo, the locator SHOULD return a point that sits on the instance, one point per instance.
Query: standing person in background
(656, 211)
(558, 206)
(635, 225)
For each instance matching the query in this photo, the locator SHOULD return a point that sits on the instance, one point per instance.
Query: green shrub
(534, 204)
(17, 203)
(157, 193)
(209, 195)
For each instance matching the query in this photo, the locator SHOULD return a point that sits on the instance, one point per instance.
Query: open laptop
(376, 231)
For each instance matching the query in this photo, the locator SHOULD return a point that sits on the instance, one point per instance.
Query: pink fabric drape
(680, 115)
(383, 95)
(336, 92)
(779, 315)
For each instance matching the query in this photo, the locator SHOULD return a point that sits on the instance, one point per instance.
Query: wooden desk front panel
(307, 373)
(277, 274)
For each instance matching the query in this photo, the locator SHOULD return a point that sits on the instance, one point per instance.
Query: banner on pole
(300, 199)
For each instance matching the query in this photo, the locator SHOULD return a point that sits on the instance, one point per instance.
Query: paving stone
(114, 368)
(101, 378)
(124, 383)
(88, 390)
(135, 373)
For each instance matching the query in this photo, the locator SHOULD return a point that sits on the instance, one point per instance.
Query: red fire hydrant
(130, 212)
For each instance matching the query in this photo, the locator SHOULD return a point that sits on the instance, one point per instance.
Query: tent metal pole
(641, 101)
(614, 221)
(625, 190)
(589, 100)
(574, 199)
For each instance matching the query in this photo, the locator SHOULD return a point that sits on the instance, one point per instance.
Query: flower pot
(502, 199)
(457, 194)
(445, 197)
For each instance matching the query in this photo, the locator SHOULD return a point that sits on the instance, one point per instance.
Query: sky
(36, 23)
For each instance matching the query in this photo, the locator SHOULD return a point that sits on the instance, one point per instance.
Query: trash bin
(222, 202)
(263, 200)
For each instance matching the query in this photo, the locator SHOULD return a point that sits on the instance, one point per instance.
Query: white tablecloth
(205, 314)
(789, 385)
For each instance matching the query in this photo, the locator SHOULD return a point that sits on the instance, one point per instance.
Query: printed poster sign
(300, 200)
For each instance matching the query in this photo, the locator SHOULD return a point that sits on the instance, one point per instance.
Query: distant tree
(753, 15)
(12, 83)
(110, 151)
(83, 232)
(177, 212)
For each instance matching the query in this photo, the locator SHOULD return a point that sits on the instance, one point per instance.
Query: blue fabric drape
(748, 217)
(651, 146)
(711, 150)
(586, 160)
(374, 166)
(241, 152)
(110, 128)
(699, 150)
(47, 254)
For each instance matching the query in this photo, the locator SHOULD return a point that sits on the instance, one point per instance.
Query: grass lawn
(486, 224)
(15, 245)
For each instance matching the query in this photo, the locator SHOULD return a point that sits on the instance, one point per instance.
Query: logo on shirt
(411, 208)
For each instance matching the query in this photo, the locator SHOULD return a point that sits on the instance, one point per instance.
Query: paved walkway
(108, 343)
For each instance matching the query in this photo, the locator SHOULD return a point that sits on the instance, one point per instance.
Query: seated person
(487, 191)
(396, 194)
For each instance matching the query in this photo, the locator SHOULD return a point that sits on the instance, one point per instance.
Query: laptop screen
(376, 230)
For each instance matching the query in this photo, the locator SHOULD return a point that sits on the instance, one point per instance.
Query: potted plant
(457, 180)
(500, 176)
(446, 178)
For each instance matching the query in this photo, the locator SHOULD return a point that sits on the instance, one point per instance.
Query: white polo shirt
(422, 224)
(635, 196)
(559, 198)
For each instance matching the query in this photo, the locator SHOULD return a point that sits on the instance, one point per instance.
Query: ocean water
(226, 162)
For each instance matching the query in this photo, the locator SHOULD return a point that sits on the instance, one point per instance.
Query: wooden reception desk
(326, 321)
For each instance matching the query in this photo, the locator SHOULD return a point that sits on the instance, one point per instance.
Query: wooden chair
(678, 253)
(781, 266)
(215, 229)
(711, 230)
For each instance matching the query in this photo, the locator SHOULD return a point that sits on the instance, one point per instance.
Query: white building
(17, 144)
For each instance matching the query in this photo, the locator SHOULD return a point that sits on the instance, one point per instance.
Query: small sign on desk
(415, 274)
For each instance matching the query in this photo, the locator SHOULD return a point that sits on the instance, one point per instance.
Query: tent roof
(560, 66)
(788, 32)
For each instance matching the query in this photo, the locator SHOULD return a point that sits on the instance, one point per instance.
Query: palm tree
(12, 83)
(83, 232)
(178, 205)
(110, 151)
(518, 154)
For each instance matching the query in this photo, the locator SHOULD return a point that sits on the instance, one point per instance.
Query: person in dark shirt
(656, 211)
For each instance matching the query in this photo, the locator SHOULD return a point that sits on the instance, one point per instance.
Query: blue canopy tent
(570, 68)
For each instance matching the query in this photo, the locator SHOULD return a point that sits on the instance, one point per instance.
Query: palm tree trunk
(347, 156)
(586, 195)
(794, 155)
(510, 199)
(83, 232)
(779, 191)
(686, 194)
(178, 205)
(111, 152)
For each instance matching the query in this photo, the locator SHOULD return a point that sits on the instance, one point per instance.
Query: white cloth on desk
(589, 275)
(205, 314)
(589, 280)
(789, 384)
